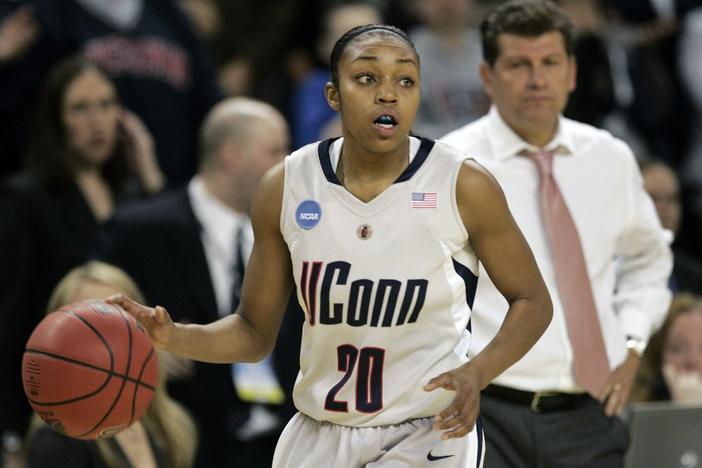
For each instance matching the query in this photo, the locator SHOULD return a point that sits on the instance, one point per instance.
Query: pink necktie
(590, 364)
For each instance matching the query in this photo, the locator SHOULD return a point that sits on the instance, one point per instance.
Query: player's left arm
(507, 258)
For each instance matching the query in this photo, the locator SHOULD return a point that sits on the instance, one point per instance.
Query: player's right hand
(156, 320)
(458, 419)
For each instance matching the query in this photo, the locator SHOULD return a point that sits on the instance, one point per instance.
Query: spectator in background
(164, 437)
(204, 16)
(642, 42)
(148, 48)
(312, 118)
(595, 97)
(252, 42)
(187, 249)
(18, 31)
(88, 154)
(628, 79)
(661, 183)
(671, 368)
(647, 10)
(449, 44)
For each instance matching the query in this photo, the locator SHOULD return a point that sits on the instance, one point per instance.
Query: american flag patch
(424, 200)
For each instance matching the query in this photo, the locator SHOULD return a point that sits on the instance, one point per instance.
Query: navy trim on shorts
(422, 153)
(479, 427)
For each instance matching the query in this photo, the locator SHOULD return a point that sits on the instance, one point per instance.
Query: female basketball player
(382, 233)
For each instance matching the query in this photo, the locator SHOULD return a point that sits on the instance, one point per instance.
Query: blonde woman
(163, 438)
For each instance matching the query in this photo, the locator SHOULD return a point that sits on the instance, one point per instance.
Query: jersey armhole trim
(454, 199)
(286, 196)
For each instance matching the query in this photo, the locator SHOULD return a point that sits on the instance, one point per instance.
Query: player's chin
(387, 143)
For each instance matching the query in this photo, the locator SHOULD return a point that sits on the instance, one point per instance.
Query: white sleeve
(644, 262)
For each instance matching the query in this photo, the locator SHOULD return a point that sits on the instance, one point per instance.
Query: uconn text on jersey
(390, 302)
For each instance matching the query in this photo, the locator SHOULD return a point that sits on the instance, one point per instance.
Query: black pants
(582, 437)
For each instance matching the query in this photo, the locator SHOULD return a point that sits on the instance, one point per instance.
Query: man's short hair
(529, 18)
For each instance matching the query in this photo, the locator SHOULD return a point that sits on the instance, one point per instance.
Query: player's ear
(332, 95)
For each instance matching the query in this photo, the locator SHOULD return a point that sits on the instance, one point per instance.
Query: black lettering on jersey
(393, 291)
(334, 316)
(368, 301)
(308, 286)
(418, 286)
(358, 316)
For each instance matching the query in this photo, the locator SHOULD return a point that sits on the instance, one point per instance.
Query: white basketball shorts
(308, 443)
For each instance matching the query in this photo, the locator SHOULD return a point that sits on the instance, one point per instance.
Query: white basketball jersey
(386, 286)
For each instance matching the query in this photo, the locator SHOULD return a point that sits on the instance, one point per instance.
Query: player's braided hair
(352, 34)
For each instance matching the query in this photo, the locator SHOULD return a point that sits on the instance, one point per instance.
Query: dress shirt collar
(217, 219)
(506, 143)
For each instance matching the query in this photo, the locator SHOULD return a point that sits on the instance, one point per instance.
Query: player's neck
(366, 174)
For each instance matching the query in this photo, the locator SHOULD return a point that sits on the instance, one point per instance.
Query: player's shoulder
(299, 166)
(308, 151)
(474, 177)
(447, 151)
(313, 163)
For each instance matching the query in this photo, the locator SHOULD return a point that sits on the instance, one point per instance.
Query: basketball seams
(76, 362)
(129, 365)
(124, 381)
(109, 373)
(97, 333)
(138, 381)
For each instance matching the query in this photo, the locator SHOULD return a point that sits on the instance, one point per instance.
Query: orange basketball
(89, 370)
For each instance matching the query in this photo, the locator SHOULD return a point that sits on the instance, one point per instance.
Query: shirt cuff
(635, 324)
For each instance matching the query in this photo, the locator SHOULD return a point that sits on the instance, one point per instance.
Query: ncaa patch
(308, 214)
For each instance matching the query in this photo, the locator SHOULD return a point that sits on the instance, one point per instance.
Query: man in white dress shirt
(564, 182)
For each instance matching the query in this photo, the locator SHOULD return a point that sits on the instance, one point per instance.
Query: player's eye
(407, 82)
(365, 78)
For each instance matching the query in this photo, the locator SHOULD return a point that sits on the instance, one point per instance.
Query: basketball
(89, 370)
